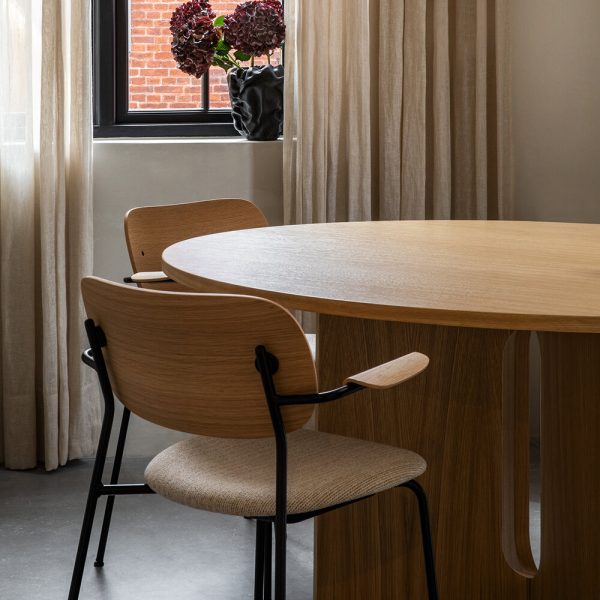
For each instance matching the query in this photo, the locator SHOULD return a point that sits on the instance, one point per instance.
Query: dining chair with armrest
(238, 374)
(148, 231)
(151, 229)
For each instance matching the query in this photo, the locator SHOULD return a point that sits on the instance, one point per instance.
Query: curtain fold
(397, 109)
(50, 409)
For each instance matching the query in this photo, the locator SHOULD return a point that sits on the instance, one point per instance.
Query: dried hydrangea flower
(195, 38)
(189, 9)
(275, 4)
(255, 27)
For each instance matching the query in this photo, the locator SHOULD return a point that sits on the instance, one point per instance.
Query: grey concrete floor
(156, 550)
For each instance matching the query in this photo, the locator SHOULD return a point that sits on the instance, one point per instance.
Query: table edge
(424, 316)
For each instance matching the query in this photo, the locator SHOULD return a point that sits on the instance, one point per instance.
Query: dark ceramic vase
(257, 101)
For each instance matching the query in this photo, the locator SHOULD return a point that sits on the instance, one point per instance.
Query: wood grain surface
(392, 372)
(186, 361)
(489, 274)
(570, 468)
(151, 229)
(452, 415)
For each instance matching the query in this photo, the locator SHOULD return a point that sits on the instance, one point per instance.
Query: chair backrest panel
(151, 229)
(186, 361)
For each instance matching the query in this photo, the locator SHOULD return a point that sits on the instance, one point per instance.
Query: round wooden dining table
(468, 294)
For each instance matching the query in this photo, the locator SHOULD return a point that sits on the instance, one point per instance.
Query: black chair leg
(90, 507)
(114, 478)
(280, 556)
(82, 548)
(259, 560)
(268, 558)
(426, 537)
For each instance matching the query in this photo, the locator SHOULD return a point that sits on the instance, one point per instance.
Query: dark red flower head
(195, 38)
(275, 4)
(189, 9)
(255, 27)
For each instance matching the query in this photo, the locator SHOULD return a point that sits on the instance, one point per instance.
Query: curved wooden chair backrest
(186, 361)
(151, 229)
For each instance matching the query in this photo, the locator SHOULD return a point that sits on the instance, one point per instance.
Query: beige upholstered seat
(237, 477)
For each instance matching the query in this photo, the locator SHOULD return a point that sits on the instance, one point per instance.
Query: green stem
(230, 60)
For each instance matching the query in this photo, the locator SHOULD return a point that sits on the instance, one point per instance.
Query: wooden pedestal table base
(452, 416)
(570, 468)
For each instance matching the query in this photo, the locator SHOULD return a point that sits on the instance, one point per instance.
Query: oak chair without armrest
(238, 374)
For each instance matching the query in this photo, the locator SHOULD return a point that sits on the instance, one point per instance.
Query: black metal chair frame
(267, 365)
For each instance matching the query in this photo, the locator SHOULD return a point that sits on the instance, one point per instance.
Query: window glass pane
(219, 92)
(155, 83)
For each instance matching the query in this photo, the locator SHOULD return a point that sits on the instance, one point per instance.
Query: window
(138, 90)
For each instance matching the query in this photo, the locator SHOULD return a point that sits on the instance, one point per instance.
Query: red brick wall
(154, 80)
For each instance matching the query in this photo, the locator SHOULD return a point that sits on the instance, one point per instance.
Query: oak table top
(489, 274)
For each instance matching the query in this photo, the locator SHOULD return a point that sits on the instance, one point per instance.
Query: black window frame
(112, 117)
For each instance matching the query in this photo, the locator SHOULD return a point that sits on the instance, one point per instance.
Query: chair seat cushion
(237, 477)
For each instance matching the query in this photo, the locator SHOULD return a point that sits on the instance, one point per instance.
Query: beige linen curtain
(397, 109)
(49, 407)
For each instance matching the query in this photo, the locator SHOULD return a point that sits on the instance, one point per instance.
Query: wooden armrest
(149, 277)
(391, 373)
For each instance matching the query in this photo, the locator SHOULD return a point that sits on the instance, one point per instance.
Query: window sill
(180, 140)
(141, 130)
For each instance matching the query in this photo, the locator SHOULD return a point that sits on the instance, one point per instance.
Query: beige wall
(556, 112)
(129, 173)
